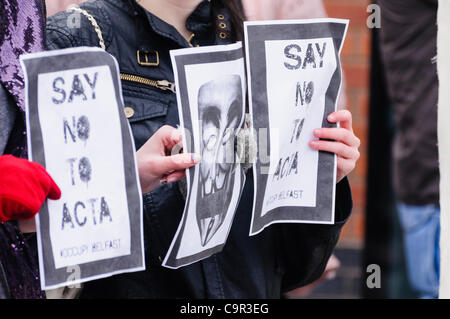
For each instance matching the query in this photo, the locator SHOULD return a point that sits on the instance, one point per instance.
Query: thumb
(167, 164)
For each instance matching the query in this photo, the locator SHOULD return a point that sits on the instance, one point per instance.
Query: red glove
(24, 186)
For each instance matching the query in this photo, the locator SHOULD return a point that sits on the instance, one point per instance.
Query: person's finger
(345, 165)
(342, 116)
(338, 134)
(340, 149)
(165, 164)
(175, 141)
(175, 149)
(170, 136)
(176, 176)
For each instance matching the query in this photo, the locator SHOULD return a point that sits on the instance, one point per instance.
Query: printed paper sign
(294, 78)
(78, 131)
(211, 89)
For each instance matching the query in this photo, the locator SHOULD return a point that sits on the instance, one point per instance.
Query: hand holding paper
(155, 165)
(343, 142)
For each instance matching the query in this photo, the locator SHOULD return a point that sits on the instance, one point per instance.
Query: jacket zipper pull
(166, 85)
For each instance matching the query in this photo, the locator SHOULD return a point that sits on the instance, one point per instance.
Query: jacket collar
(200, 22)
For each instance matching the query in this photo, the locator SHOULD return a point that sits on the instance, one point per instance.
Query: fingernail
(195, 158)
(331, 118)
(171, 180)
(314, 144)
(317, 132)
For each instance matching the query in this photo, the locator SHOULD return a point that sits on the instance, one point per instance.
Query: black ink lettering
(298, 126)
(283, 171)
(67, 127)
(286, 167)
(304, 94)
(278, 170)
(77, 89)
(59, 90)
(309, 58)
(71, 162)
(85, 169)
(296, 57)
(309, 92)
(299, 95)
(295, 129)
(66, 217)
(92, 84)
(299, 129)
(92, 202)
(294, 164)
(76, 214)
(83, 128)
(321, 53)
(104, 210)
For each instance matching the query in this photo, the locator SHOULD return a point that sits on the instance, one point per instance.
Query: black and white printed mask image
(220, 112)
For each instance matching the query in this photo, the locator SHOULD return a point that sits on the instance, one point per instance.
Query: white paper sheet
(77, 130)
(294, 78)
(211, 87)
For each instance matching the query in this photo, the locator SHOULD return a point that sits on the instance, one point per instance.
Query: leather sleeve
(7, 118)
(306, 248)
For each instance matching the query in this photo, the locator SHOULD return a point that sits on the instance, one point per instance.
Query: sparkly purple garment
(18, 255)
(21, 31)
(22, 25)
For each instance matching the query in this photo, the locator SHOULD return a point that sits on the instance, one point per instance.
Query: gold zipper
(161, 84)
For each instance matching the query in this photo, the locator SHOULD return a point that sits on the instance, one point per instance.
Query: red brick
(365, 46)
(363, 102)
(359, 195)
(357, 14)
(361, 166)
(348, 48)
(359, 225)
(347, 232)
(357, 76)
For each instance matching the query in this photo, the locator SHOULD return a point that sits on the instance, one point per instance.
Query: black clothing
(408, 42)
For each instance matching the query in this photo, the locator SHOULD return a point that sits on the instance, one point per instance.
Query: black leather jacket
(282, 257)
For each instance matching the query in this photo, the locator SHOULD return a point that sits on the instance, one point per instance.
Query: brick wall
(355, 60)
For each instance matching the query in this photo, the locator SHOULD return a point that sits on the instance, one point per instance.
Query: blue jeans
(421, 230)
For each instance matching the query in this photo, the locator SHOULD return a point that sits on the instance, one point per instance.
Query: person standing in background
(408, 41)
